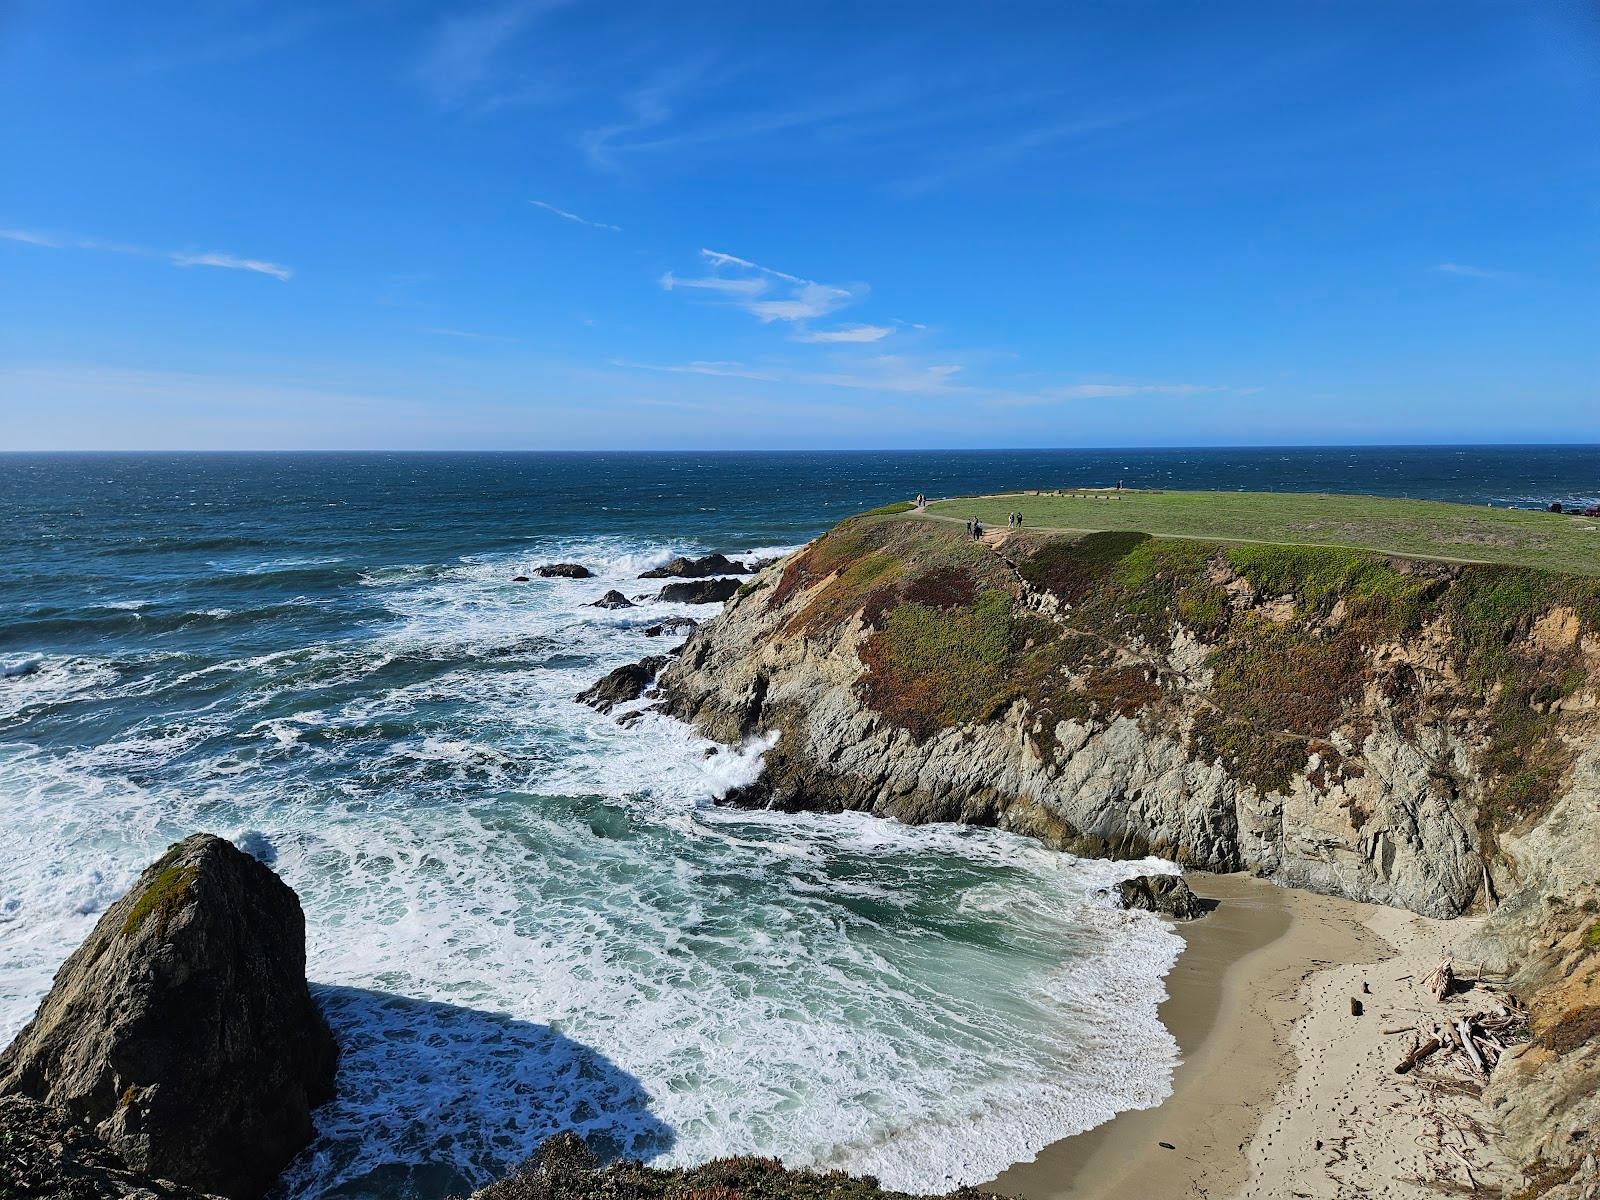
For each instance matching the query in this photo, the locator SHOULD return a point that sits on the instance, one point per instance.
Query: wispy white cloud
(846, 334)
(1104, 391)
(28, 237)
(178, 258)
(766, 293)
(572, 216)
(231, 262)
(883, 373)
(713, 283)
(720, 370)
(1470, 272)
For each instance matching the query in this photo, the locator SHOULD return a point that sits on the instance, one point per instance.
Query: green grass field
(1413, 528)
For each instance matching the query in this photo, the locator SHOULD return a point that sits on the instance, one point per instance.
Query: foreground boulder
(563, 571)
(612, 599)
(1165, 894)
(564, 1169)
(181, 1032)
(700, 591)
(624, 684)
(44, 1151)
(698, 568)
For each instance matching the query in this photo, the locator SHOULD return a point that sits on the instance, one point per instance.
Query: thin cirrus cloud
(178, 258)
(845, 335)
(1467, 271)
(574, 217)
(766, 293)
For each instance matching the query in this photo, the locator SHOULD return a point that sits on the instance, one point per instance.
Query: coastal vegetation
(1294, 635)
(1418, 528)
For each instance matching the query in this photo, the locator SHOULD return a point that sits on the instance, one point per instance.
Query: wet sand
(1234, 996)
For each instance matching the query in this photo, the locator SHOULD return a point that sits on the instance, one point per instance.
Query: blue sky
(580, 225)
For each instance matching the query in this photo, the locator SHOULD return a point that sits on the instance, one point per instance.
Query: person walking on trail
(977, 528)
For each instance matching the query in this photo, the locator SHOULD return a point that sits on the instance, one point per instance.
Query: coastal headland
(1389, 705)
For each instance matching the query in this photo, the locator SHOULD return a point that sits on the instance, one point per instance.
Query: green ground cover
(1414, 528)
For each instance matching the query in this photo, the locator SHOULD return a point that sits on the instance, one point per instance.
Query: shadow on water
(435, 1100)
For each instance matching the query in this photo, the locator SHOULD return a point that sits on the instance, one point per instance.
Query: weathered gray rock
(45, 1152)
(1168, 895)
(612, 599)
(181, 1032)
(563, 571)
(698, 568)
(624, 684)
(700, 591)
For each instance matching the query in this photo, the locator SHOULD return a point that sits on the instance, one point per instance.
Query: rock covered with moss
(564, 1169)
(181, 1032)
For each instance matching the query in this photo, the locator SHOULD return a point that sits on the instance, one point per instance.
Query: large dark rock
(563, 571)
(181, 1032)
(698, 568)
(46, 1152)
(565, 1169)
(1165, 894)
(671, 626)
(699, 591)
(624, 684)
(612, 599)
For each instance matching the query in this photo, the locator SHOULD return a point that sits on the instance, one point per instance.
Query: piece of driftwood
(1418, 1052)
(1441, 981)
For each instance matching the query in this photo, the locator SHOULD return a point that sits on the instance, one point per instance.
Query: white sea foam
(523, 917)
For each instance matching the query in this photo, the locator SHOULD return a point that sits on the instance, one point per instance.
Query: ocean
(523, 917)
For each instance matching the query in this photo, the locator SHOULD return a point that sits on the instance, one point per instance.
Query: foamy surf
(523, 917)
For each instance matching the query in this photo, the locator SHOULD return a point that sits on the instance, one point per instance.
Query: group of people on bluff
(975, 526)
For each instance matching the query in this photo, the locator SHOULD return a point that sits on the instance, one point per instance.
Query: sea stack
(181, 1033)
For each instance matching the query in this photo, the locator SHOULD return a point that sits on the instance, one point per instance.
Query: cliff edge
(1397, 730)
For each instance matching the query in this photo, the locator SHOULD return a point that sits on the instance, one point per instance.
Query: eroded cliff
(1407, 732)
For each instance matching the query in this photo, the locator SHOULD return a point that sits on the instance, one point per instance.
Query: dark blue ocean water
(522, 917)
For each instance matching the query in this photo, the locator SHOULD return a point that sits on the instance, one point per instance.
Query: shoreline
(1280, 1089)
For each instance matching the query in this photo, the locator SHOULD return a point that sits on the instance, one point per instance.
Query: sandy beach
(1282, 1091)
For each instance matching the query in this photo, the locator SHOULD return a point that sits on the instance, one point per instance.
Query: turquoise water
(523, 917)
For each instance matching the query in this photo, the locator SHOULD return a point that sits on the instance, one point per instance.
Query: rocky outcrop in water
(612, 599)
(563, 571)
(698, 568)
(1168, 895)
(700, 591)
(181, 1033)
(671, 626)
(564, 1169)
(624, 684)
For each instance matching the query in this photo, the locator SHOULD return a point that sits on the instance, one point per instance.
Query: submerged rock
(612, 599)
(624, 684)
(701, 591)
(44, 1151)
(1166, 894)
(565, 1169)
(698, 568)
(181, 1032)
(563, 571)
(672, 626)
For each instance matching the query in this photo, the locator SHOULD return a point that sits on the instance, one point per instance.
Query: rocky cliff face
(1408, 733)
(181, 1032)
